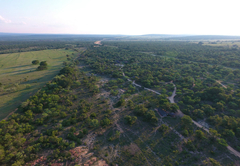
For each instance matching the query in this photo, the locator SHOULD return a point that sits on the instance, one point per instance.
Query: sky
(127, 17)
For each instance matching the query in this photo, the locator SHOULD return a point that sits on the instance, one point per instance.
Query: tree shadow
(14, 67)
(24, 94)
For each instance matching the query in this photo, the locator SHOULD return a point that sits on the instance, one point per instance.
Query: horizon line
(111, 34)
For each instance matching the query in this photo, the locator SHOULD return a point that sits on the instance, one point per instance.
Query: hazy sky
(207, 17)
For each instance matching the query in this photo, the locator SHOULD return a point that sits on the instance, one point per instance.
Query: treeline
(23, 46)
(185, 50)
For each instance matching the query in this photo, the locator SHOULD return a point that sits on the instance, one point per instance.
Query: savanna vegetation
(93, 103)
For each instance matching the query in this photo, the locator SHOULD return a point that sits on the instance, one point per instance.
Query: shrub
(43, 66)
(105, 122)
(185, 133)
(93, 115)
(35, 62)
(130, 119)
(163, 128)
(28, 86)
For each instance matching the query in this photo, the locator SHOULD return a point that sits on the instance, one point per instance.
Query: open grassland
(220, 43)
(224, 43)
(20, 79)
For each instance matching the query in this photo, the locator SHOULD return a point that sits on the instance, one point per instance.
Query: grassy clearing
(20, 78)
(222, 43)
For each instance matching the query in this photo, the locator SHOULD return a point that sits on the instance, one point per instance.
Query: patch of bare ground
(111, 151)
(80, 155)
(132, 149)
(98, 42)
(89, 140)
(138, 148)
(137, 134)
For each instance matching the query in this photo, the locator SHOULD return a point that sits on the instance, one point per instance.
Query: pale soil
(98, 42)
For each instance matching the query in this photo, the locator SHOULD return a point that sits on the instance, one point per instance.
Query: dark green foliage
(85, 131)
(199, 134)
(186, 121)
(105, 122)
(93, 115)
(163, 128)
(130, 119)
(66, 70)
(43, 65)
(35, 62)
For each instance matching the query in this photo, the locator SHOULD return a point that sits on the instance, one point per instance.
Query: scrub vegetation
(104, 105)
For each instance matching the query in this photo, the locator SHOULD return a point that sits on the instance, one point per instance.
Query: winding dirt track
(171, 99)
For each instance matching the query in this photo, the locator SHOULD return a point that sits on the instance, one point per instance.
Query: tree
(93, 115)
(43, 66)
(94, 123)
(140, 109)
(2, 152)
(130, 119)
(121, 102)
(211, 162)
(66, 70)
(85, 131)
(214, 133)
(150, 116)
(222, 142)
(173, 107)
(186, 121)
(208, 110)
(105, 122)
(220, 106)
(163, 128)
(229, 133)
(35, 62)
(198, 113)
(199, 134)
(43, 63)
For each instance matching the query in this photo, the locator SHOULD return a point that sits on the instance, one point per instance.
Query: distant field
(20, 79)
(230, 44)
(224, 44)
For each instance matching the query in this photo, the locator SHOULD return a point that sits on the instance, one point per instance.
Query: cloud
(5, 20)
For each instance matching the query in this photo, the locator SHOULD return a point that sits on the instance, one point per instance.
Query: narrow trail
(171, 99)
(221, 84)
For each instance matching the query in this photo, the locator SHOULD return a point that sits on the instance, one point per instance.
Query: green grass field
(20, 79)
(221, 43)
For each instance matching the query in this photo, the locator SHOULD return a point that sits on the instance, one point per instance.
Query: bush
(163, 128)
(43, 66)
(105, 122)
(66, 70)
(130, 119)
(93, 115)
(28, 86)
(199, 134)
(222, 142)
(35, 62)
(43, 63)
(185, 133)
